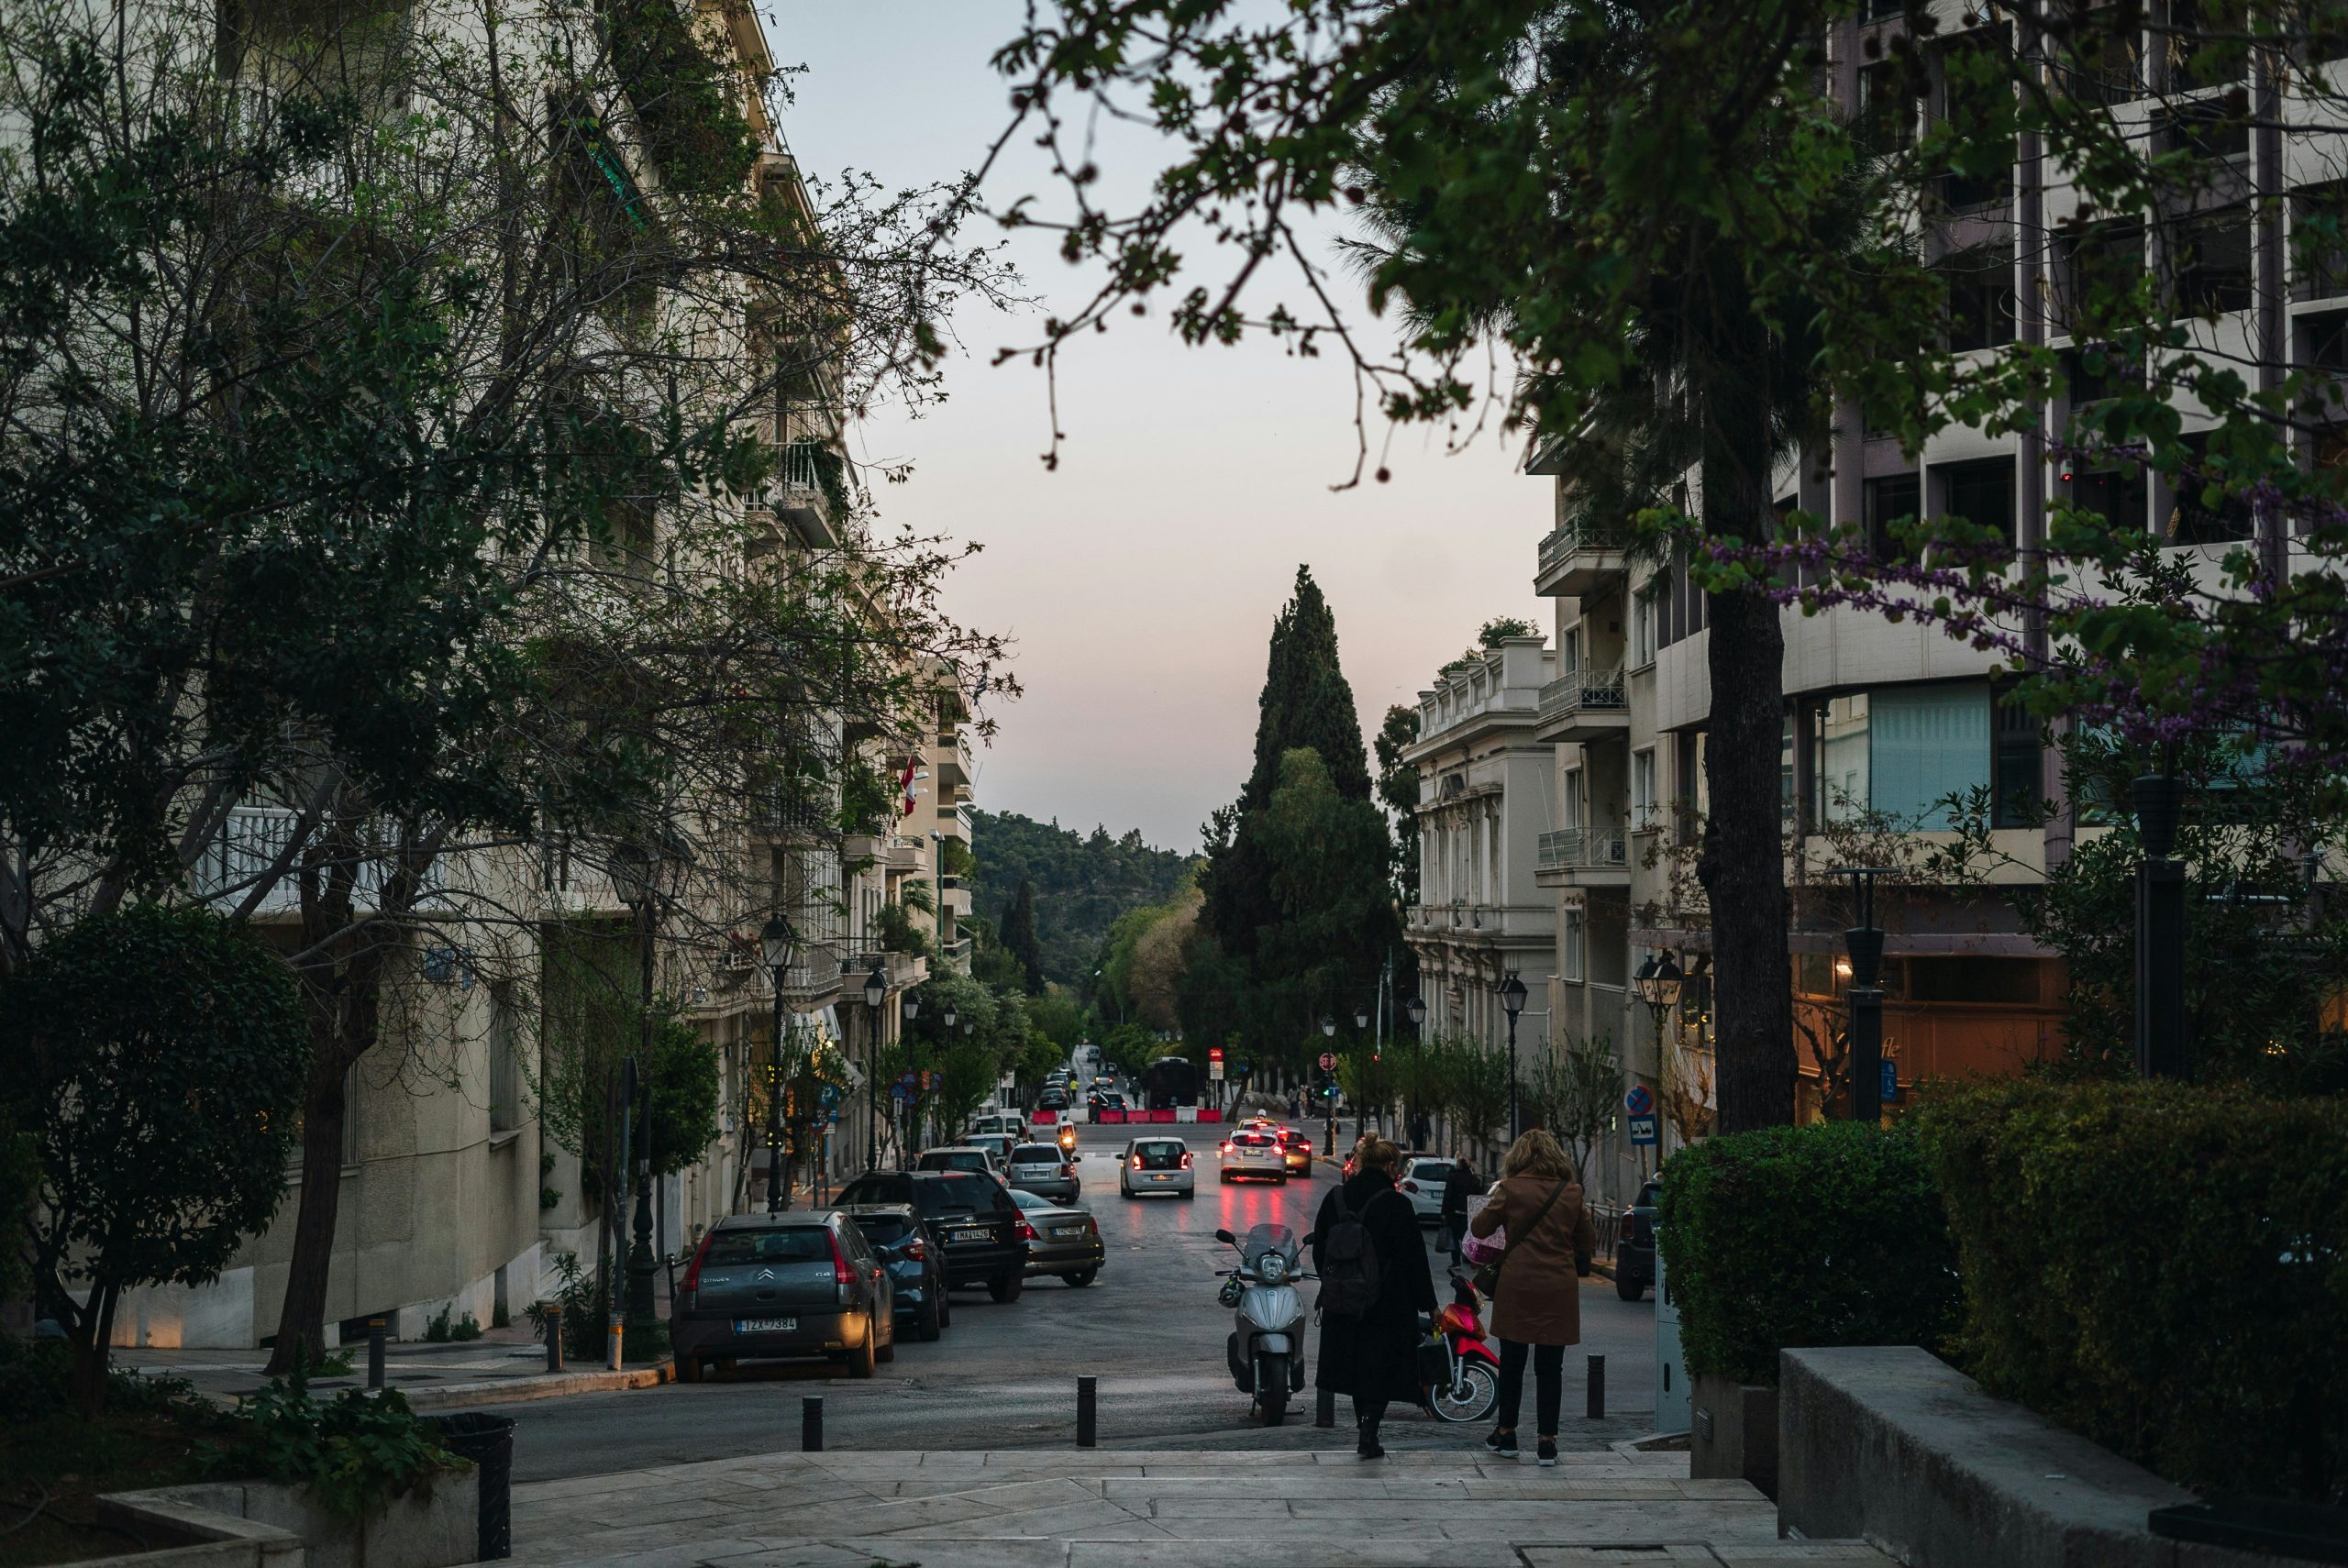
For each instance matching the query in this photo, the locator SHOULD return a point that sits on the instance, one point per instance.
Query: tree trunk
(1742, 866)
(93, 1348)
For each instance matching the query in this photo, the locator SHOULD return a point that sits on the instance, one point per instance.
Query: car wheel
(1006, 1288)
(688, 1369)
(887, 1353)
(1081, 1278)
(862, 1359)
(930, 1321)
(1626, 1287)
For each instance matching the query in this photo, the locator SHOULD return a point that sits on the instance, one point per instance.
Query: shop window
(2017, 740)
(1927, 744)
(1981, 493)
(2211, 272)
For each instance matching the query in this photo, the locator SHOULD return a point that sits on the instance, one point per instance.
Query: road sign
(900, 1092)
(1215, 1052)
(830, 1096)
(1644, 1131)
(1214, 1071)
(1890, 1081)
(908, 1079)
(1328, 1060)
(1640, 1101)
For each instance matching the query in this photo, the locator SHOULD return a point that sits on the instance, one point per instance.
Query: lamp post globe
(777, 944)
(1328, 1024)
(1361, 1018)
(876, 991)
(911, 1007)
(876, 987)
(1417, 1008)
(1513, 1002)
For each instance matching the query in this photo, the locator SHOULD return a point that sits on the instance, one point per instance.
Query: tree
(1577, 1096)
(1082, 885)
(158, 1058)
(1475, 1087)
(1019, 936)
(1398, 791)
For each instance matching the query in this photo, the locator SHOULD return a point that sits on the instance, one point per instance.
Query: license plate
(1161, 1176)
(1067, 1230)
(766, 1326)
(974, 1235)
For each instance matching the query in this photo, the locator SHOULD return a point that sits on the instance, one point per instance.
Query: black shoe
(1366, 1448)
(1548, 1452)
(1502, 1444)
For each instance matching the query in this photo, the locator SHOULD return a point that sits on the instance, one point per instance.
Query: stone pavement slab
(1142, 1508)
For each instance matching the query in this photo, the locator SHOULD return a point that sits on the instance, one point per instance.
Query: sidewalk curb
(514, 1390)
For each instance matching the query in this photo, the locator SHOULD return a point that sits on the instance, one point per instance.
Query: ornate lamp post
(1417, 1008)
(778, 943)
(636, 875)
(1328, 1100)
(876, 991)
(1864, 940)
(1361, 1027)
(1658, 981)
(908, 1010)
(1512, 995)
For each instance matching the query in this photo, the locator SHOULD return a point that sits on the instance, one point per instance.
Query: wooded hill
(1084, 882)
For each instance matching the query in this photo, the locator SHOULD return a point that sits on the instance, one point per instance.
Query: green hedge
(2159, 1267)
(1830, 1234)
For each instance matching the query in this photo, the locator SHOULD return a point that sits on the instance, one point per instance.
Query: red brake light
(1185, 1159)
(692, 1270)
(1136, 1163)
(1027, 1232)
(1068, 1170)
(918, 1250)
(1409, 1186)
(841, 1273)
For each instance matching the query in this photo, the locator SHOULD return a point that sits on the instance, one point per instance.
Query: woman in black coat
(1373, 1357)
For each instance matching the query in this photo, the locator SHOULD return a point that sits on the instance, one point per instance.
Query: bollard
(1598, 1388)
(1087, 1411)
(554, 1337)
(374, 1353)
(811, 1424)
(1325, 1407)
(611, 1341)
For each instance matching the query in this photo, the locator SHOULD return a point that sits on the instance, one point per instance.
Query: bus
(1168, 1082)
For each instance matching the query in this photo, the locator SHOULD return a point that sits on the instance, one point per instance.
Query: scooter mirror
(1226, 1236)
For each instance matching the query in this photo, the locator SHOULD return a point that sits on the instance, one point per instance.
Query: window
(1981, 493)
(1885, 121)
(2095, 375)
(350, 1088)
(2099, 267)
(2210, 132)
(2119, 498)
(2207, 43)
(1889, 502)
(1643, 609)
(1642, 790)
(799, 1243)
(2103, 62)
(1788, 781)
(2319, 242)
(1570, 949)
(2206, 512)
(1695, 790)
(1841, 744)
(2212, 265)
(2017, 801)
(1980, 285)
(505, 1068)
(1976, 115)
(1928, 743)
(2326, 339)
(1573, 801)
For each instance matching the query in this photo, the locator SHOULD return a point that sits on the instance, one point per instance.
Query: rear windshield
(1037, 1155)
(1431, 1170)
(958, 1161)
(1251, 1139)
(1159, 1156)
(958, 1194)
(877, 1190)
(800, 1244)
(881, 1228)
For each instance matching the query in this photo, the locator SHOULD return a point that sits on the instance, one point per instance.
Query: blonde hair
(1537, 1153)
(1377, 1153)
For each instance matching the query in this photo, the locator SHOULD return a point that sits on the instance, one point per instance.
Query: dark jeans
(1548, 1384)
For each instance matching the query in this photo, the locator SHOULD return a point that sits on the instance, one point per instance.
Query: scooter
(1067, 1139)
(1465, 1383)
(1267, 1349)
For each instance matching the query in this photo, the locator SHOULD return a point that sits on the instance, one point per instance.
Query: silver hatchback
(1042, 1169)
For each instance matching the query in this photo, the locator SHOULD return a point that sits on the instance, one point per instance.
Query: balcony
(782, 819)
(1585, 705)
(811, 490)
(1584, 858)
(957, 954)
(250, 842)
(1577, 559)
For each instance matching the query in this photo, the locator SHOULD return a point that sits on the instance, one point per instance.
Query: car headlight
(1271, 1269)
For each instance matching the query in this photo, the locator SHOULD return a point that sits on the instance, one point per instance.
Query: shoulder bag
(1487, 1280)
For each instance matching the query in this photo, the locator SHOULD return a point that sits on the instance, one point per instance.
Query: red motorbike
(1461, 1373)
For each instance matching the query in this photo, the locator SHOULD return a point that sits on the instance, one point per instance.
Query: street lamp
(1658, 983)
(1328, 1100)
(1513, 999)
(876, 991)
(2160, 928)
(636, 875)
(1361, 1026)
(1864, 940)
(1417, 1008)
(777, 944)
(908, 1010)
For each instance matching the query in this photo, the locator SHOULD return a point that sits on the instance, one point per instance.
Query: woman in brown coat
(1536, 1306)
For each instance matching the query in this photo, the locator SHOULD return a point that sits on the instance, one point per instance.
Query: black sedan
(1634, 1243)
(782, 1287)
(972, 1217)
(1065, 1242)
(916, 1264)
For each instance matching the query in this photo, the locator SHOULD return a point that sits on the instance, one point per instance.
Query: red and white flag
(905, 785)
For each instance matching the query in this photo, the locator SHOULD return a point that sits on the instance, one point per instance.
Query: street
(1004, 1376)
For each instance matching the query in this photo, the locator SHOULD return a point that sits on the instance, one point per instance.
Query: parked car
(916, 1264)
(1252, 1154)
(784, 1286)
(1634, 1243)
(972, 1157)
(1006, 1123)
(1425, 1181)
(1296, 1148)
(1042, 1168)
(972, 1217)
(1157, 1165)
(1060, 1240)
(998, 1144)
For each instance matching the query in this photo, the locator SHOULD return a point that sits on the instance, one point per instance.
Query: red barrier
(1208, 1113)
(1157, 1115)
(1113, 1118)
(1043, 1118)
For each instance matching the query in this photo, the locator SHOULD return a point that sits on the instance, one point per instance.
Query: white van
(1009, 1124)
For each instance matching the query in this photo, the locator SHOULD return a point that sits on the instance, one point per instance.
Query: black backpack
(1348, 1264)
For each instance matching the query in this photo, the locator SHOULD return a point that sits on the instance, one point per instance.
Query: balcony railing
(1567, 538)
(1583, 689)
(1584, 849)
(250, 842)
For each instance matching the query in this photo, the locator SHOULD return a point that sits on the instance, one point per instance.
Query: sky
(1139, 580)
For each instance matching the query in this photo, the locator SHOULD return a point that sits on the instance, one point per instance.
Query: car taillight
(1185, 1159)
(1027, 1232)
(842, 1275)
(1409, 1186)
(1136, 1162)
(692, 1269)
(1068, 1170)
(916, 1249)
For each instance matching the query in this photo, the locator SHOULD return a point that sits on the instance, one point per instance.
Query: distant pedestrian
(1295, 1107)
(1374, 1285)
(1464, 1183)
(1536, 1296)
(1422, 1130)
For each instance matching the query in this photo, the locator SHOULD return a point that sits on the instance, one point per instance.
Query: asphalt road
(1004, 1376)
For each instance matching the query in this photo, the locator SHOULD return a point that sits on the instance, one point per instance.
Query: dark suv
(1634, 1243)
(972, 1217)
(916, 1263)
(767, 1286)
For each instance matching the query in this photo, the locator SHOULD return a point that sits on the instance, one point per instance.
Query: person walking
(1374, 1285)
(1536, 1287)
(1464, 1183)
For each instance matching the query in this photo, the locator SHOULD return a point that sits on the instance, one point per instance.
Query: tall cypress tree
(1019, 936)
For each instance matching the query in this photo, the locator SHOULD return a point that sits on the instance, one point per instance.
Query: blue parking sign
(1643, 1131)
(1890, 1091)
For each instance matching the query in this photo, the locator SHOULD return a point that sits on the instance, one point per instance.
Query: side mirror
(1222, 1235)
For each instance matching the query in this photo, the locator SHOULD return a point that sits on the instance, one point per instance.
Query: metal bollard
(612, 1340)
(374, 1353)
(1325, 1407)
(554, 1338)
(1598, 1388)
(1088, 1389)
(811, 1424)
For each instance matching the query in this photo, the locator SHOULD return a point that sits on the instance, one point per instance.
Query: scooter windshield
(1262, 1239)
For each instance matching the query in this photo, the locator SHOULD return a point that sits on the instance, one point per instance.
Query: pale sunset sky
(1140, 580)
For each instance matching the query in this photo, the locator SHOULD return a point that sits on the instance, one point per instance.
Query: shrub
(2160, 1267)
(355, 1453)
(1787, 1237)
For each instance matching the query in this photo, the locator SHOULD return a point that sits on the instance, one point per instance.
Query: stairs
(1143, 1509)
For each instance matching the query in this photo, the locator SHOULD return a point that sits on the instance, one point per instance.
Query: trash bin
(488, 1441)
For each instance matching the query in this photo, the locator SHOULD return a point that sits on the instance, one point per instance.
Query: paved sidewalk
(1152, 1509)
(504, 1366)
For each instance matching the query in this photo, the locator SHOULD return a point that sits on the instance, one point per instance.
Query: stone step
(1140, 1509)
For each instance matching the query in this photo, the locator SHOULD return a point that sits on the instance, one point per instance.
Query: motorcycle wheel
(1273, 1398)
(1469, 1397)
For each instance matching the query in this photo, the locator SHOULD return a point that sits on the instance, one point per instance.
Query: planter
(268, 1524)
(1733, 1432)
